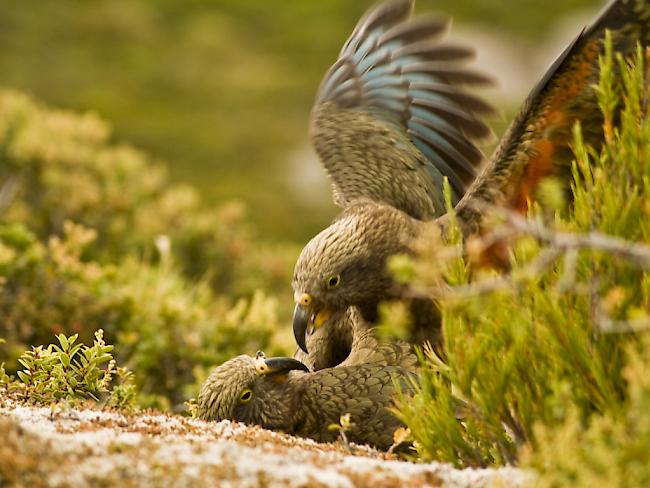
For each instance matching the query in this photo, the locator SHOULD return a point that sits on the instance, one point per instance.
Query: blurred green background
(221, 89)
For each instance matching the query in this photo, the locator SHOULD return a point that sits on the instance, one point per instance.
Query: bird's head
(249, 390)
(345, 265)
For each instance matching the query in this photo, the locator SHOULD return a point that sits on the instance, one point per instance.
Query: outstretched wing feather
(391, 112)
(537, 144)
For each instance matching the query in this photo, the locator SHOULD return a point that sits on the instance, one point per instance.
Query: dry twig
(559, 244)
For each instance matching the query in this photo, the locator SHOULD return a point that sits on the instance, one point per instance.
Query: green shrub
(608, 450)
(542, 350)
(94, 235)
(164, 327)
(57, 166)
(72, 372)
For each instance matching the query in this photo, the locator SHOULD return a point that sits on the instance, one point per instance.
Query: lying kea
(282, 394)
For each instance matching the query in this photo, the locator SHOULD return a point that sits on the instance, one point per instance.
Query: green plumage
(536, 145)
(306, 404)
(356, 247)
(391, 121)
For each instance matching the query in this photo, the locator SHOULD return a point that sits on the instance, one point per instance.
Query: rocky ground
(69, 447)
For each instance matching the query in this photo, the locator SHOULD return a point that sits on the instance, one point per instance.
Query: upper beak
(282, 365)
(300, 324)
(306, 314)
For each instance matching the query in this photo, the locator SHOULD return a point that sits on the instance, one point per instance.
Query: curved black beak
(300, 324)
(283, 365)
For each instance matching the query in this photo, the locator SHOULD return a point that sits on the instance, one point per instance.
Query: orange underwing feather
(555, 123)
(537, 144)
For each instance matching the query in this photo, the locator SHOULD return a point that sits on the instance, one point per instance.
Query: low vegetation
(72, 372)
(551, 359)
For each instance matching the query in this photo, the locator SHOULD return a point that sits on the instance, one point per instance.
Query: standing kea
(390, 122)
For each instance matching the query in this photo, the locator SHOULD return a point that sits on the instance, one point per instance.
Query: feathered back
(390, 120)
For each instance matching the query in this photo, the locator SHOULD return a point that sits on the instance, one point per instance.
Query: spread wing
(390, 120)
(536, 145)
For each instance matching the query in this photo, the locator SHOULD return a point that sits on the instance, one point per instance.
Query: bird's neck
(369, 311)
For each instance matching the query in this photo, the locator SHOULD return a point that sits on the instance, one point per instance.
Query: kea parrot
(281, 394)
(391, 121)
(389, 124)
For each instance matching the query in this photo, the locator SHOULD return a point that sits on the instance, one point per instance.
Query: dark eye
(246, 396)
(333, 281)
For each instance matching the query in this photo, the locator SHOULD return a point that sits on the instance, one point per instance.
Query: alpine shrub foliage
(553, 359)
(58, 166)
(72, 372)
(94, 236)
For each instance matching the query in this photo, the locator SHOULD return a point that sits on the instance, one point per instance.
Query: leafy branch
(72, 371)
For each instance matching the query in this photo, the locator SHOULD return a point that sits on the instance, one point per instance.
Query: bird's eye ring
(246, 396)
(333, 281)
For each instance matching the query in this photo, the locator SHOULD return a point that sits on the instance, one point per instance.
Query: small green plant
(402, 436)
(342, 427)
(73, 371)
(192, 408)
(123, 395)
